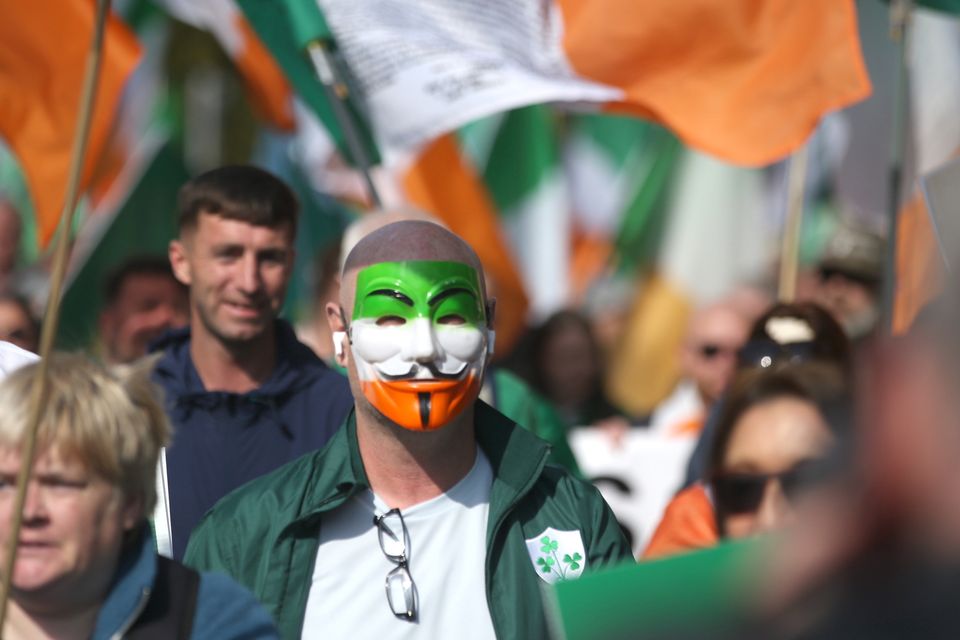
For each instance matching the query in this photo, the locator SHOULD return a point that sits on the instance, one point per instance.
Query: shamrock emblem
(557, 555)
(573, 562)
(549, 545)
(546, 564)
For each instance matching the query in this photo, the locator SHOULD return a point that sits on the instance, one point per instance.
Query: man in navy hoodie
(244, 395)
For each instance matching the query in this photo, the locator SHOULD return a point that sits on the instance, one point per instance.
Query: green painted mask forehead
(419, 288)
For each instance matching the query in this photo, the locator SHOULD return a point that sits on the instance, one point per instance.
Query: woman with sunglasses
(772, 442)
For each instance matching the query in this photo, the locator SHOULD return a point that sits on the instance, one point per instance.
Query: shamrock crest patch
(557, 555)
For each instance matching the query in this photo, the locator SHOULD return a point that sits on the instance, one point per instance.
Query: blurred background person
(568, 369)
(17, 323)
(850, 273)
(17, 276)
(86, 563)
(142, 300)
(773, 438)
(708, 360)
(786, 334)
(10, 233)
(315, 331)
(879, 555)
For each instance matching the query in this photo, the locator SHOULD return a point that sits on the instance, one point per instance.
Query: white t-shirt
(446, 557)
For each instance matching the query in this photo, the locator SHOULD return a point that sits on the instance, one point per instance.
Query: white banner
(637, 477)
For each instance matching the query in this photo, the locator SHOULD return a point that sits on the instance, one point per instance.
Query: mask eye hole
(390, 321)
(451, 319)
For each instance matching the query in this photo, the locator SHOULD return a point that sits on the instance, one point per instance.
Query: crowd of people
(209, 470)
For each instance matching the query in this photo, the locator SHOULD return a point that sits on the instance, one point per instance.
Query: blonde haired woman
(86, 564)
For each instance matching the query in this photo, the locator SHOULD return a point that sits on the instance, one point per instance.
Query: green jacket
(265, 534)
(513, 398)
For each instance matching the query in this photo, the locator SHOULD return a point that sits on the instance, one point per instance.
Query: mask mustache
(435, 373)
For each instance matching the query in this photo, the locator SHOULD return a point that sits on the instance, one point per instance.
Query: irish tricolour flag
(746, 80)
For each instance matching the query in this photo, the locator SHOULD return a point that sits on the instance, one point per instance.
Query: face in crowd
(767, 454)
(146, 305)
(709, 356)
(569, 361)
(91, 484)
(413, 326)
(237, 273)
(419, 339)
(73, 526)
(17, 325)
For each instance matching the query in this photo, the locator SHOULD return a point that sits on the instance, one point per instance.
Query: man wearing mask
(425, 489)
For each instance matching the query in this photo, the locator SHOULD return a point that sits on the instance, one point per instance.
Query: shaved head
(400, 241)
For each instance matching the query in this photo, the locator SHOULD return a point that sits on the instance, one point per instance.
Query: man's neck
(20, 625)
(238, 367)
(406, 467)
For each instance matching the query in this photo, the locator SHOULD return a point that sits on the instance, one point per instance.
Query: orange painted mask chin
(422, 405)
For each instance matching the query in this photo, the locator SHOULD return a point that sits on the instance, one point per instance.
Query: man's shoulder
(559, 484)
(273, 495)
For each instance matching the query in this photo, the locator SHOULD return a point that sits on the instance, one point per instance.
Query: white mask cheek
(379, 349)
(461, 345)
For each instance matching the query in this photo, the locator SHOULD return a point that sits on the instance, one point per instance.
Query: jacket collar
(131, 585)
(296, 365)
(516, 456)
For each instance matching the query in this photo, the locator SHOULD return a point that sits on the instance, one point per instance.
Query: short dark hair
(238, 192)
(142, 265)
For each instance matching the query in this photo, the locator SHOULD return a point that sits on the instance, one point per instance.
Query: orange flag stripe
(918, 263)
(266, 84)
(42, 63)
(746, 80)
(441, 183)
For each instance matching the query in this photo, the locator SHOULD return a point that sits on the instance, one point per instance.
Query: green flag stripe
(269, 19)
(144, 225)
(523, 154)
(644, 218)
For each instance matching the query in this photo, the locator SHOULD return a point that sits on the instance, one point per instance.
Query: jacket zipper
(141, 605)
(495, 533)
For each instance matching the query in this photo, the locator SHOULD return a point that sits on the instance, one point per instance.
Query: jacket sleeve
(227, 611)
(607, 545)
(208, 548)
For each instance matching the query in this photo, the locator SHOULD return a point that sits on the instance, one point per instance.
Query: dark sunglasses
(710, 351)
(740, 493)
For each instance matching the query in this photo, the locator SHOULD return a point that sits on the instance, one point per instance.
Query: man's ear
(338, 330)
(179, 261)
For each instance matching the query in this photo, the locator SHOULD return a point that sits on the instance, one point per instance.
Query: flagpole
(39, 387)
(312, 34)
(790, 244)
(325, 66)
(900, 13)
